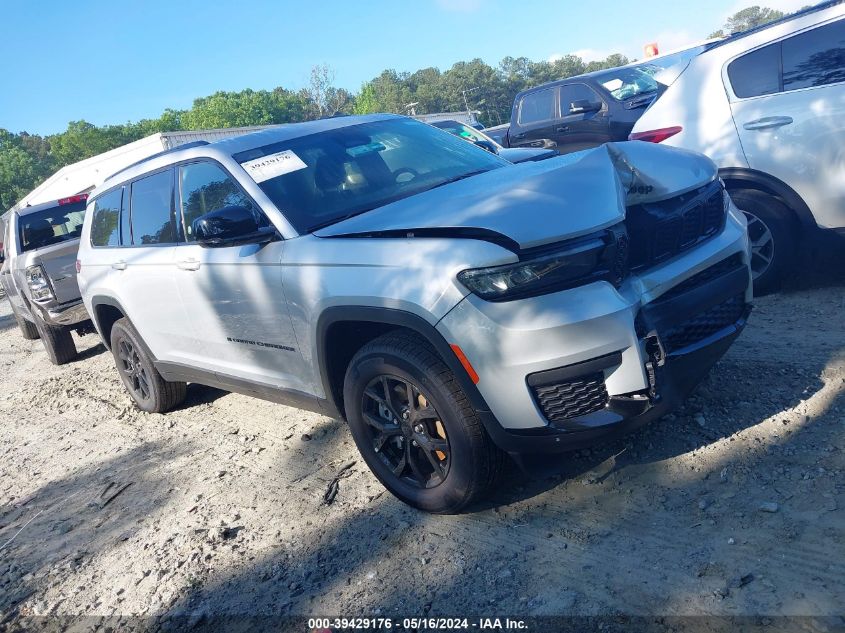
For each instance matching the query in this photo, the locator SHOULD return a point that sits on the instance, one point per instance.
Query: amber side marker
(465, 362)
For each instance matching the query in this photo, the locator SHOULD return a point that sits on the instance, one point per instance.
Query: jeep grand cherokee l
(449, 305)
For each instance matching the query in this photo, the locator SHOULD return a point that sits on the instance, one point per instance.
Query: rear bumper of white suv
(560, 370)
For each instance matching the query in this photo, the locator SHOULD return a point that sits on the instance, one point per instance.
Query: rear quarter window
(756, 73)
(105, 220)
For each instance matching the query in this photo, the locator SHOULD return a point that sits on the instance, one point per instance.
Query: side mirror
(582, 106)
(230, 226)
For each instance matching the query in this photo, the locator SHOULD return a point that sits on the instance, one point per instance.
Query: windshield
(51, 226)
(627, 82)
(323, 178)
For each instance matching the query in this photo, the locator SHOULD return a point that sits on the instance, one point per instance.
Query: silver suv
(38, 273)
(450, 306)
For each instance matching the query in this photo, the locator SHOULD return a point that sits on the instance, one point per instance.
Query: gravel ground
(735, 505)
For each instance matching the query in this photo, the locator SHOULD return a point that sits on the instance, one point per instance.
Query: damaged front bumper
(560, 371)
(671, 376)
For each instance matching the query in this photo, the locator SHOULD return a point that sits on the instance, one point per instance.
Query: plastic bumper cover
(648, 357)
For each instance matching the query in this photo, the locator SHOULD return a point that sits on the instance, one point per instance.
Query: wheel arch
(744, 178)
(106, 311)
(343, 330)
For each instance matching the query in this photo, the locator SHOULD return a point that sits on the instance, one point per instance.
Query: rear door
(788, 103)
(143, 272)
(580, 128)
(535, 119)
(233, 295)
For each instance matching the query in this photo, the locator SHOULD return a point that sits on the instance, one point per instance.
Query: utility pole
(466, 101)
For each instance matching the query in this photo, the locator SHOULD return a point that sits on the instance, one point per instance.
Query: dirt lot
(734, 506)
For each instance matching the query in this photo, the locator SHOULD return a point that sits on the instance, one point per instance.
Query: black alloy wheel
(406, 431)
(136, 378)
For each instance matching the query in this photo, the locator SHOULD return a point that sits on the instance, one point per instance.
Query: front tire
(58, 341)
(415, 427)
(773, 233)
(149, 391)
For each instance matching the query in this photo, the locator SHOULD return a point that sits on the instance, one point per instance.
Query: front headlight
(601, 255)
(39, 287)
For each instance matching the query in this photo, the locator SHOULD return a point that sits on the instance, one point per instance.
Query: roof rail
(157, 154)
(790, 16)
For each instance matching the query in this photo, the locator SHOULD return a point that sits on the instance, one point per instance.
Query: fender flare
(767, 183)
(103, 300)
(399, 318)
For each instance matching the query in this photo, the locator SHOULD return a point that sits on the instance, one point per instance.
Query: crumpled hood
(538, 203)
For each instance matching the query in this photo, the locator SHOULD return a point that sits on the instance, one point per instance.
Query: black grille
(660, 230)
(704, 324)
(716, 270)
(572, 398)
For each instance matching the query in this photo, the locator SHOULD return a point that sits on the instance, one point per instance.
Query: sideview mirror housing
(582, 106)
(231, 226)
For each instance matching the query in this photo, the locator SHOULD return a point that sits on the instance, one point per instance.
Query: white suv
(450, 305)
(768, 106)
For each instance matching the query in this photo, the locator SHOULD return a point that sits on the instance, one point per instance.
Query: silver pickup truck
(38, 273)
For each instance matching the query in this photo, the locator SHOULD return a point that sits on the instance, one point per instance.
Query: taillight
(655, 136)
(78, 266)
(82, 197)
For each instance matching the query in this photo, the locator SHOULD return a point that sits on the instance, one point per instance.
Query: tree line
(27, 159)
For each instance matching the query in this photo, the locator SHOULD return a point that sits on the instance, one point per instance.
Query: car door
(788, 103)
(233, 295)
(142, 270)
(534, 119)
(583, 122)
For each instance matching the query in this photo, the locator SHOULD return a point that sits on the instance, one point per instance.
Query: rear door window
(757, 73)
(537, 106)
(815, 58)
(105, 222)
(152, 213)
(205, 187)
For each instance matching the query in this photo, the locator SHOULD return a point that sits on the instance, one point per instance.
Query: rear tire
(149, 391)
(58, 341)
(415, 426)
(772, 229)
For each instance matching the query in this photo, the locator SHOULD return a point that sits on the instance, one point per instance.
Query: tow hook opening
(656, 358)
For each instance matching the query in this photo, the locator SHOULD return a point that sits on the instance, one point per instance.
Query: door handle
(188, 264)
(564, 128)
(121, 265)
(519, 135)
(767, 123)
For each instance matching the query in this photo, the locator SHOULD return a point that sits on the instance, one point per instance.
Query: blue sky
(112, 62)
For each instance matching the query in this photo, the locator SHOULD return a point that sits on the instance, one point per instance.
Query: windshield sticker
(365, 149)
(272, 165)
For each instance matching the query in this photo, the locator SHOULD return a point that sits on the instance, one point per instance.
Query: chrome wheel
(135, 376)
(406, 431)
(762, 245)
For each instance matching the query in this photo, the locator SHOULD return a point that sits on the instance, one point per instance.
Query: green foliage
(26, 159)
(747, 18)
